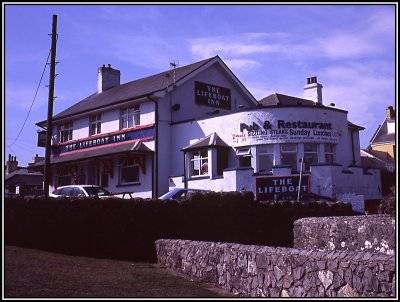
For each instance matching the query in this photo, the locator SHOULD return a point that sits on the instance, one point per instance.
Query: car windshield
(180, 194)
(97, 191)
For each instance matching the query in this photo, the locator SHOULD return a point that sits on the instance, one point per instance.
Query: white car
(81, 191)
(180, 193)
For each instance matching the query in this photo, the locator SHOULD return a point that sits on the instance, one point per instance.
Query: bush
(388, 203)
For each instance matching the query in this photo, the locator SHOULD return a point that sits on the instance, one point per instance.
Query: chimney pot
(313, 90)
(107, 78)
(389, 112)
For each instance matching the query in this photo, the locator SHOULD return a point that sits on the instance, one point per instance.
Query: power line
(34, 98)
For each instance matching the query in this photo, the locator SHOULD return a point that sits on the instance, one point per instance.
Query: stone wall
(373, 233)
(262, 271)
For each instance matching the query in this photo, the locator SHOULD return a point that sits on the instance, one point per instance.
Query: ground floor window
(244, 156)
(104, 179)
(310, 155)
(199, 163)
(289, 155)
(265, 158)
(63, 178)
(128, 170)
(329, 153)
(222, 161)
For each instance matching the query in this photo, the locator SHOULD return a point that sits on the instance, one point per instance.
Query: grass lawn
(33, 273)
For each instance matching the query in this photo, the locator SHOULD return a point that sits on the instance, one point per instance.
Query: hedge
(127, 228)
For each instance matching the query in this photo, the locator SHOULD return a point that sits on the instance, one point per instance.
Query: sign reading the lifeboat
(284, 131)
(269, 187)
(212, 95)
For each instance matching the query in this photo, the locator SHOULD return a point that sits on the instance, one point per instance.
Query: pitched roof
(351, 125)
(382, 136)
(22, 172)
(278, 99)
(131, 90)
(213, 140)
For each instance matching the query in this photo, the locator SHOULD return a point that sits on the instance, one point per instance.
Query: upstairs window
(64, 132)
(95, 124)
(199, 163)
(130, 117)
(310, 155)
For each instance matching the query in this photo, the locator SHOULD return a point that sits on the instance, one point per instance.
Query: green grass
(33, 273)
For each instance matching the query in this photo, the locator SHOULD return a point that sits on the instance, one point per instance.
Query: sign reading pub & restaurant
(284, 131)
(212, 95)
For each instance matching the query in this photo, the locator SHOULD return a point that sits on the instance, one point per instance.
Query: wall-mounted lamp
(176, 107)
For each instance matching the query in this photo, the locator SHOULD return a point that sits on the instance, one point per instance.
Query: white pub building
(197, 126)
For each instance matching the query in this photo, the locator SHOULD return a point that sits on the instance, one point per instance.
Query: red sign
(271, 187)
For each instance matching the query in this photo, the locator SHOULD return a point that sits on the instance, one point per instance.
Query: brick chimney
(12, 164)
(313, 90)
(107, 78)
(390, 113)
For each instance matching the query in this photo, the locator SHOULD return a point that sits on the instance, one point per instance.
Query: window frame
(95, 124)
(262, 153)
(65, 132)
(130, 116)
(203, 161)
(314, 153)
(329, 153)
(289, 152)
(128, 163)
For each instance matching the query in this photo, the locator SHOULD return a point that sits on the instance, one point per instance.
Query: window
(95, 124)
(104, 179)
(329, 153)
(64, 132)
(63, 178)
(310, 155)
(130, 117)
(128, 170)
(265, 154)
(244, 156)
(222, 161)
(77, 192)
(289, 155)
(199, 163)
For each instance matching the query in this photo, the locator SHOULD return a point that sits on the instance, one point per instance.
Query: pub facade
(197, 126)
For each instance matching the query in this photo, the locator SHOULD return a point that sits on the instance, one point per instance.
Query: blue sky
(270, 48)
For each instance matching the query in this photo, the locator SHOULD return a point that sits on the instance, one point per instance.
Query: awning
(135, 147)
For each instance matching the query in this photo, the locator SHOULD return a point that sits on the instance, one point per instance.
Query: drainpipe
(184, 170)
(353, 162)
(155, 156)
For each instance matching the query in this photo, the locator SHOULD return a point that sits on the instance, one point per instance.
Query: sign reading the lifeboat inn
(137, 133)
(212, 95)
(284, 131)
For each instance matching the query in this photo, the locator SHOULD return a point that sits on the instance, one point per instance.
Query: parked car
(180, 193)
(11, 194)
(305, 197)
(81, 191)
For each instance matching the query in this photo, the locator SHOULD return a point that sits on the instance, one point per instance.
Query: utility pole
(49, 129)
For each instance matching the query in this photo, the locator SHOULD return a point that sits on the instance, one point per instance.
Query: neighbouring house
(22, 180)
